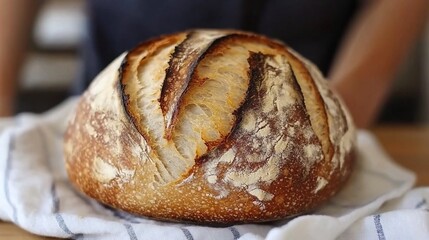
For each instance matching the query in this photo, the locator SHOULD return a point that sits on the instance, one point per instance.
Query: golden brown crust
(251, 133)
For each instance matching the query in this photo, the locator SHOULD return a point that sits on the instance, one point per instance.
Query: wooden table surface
(407, 145)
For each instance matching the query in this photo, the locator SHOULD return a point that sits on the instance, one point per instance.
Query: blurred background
(53, 62)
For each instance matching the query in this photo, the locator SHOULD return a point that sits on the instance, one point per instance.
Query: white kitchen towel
(376, 203)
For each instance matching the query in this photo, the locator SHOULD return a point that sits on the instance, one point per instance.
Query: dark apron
(314, 28)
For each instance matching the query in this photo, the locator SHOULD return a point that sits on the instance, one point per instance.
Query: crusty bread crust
(210, 126)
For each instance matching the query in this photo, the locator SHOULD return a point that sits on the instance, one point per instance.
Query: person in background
(359, 45)
(16, 18)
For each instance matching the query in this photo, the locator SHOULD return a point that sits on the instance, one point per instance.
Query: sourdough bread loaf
(210, 126)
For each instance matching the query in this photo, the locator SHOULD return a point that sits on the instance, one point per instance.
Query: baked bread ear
(210, 126)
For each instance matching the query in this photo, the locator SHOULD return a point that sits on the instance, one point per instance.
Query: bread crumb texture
(210, 126)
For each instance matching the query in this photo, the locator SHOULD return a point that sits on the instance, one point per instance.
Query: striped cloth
(377, 202)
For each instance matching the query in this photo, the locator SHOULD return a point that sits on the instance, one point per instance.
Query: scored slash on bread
(210, 126)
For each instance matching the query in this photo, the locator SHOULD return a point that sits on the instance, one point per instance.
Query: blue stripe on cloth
(55, 200)
(130, 231)
(235, 233)
(60, 220)
(187, 233)
(379, 227)
(120, 214)
(63, 226)
(9, 158)
(421, 203)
